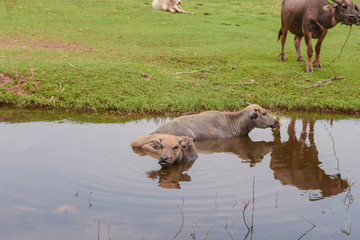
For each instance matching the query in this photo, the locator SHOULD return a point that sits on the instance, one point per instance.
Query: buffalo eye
(161, 146)
(344, 6)
(176, 147)
(264, 114)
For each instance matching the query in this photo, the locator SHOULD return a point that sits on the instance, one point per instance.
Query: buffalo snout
(163, 159)
(357, 20)
(276, 122)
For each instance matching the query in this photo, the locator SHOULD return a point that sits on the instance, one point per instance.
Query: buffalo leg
(180, 10)
(310, 51)
(317, 50)
(172, 10)
(297, 41)
(283, 40)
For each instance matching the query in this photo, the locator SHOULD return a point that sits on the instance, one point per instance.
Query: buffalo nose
(275, 123)
(163, 159)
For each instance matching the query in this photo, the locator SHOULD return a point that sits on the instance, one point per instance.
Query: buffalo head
(171, 148)
(347, 12)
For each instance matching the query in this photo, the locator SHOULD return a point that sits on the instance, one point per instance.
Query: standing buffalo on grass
(312, 19)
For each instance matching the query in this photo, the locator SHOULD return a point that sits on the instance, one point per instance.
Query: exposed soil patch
(42, 44)
(18, 83)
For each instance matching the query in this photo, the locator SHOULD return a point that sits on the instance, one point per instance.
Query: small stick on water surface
(182, 223)
(99, 229)
(192, 234)
(216, 201)
(207, 234)
(109, 230)
(313, 226)
(90, 205)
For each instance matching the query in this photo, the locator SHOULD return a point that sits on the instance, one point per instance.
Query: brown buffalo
(170, 149)
(215, 124)
(312, 19)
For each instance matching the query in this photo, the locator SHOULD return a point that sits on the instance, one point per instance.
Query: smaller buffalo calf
(172, 149)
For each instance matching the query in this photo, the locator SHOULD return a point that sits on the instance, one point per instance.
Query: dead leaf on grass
(145, 75)
(194, 83)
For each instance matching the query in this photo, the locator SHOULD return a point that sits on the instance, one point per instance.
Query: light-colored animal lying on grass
(172, 149)
(169, 5)
(215, 124)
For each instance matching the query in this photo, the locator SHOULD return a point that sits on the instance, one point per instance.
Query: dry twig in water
(182, 223)
(216, 201)
(251, 228)
(109, 230)
(90, 204)
(228, 230)
(313, 226)
(98, 236)
(192, 234)
(348, 199)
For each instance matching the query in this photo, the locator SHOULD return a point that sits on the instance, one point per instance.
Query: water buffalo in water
(170, 149)
(312, 19)
(215, 124)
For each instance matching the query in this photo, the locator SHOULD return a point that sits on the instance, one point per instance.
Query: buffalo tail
(279, 35)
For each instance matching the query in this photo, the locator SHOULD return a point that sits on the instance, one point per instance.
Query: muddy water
(75, 177)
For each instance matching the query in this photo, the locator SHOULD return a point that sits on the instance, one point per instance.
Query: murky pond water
(70, 177)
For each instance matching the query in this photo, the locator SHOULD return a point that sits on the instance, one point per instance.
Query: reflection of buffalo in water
(251, 152)
(171, 176)
(296, 163)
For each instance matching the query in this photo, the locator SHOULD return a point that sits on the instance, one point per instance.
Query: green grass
(90, 54)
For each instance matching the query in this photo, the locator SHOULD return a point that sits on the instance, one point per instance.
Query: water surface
(76, 177)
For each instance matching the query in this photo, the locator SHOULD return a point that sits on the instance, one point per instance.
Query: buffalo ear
(254, 116)
(357, 7)
(338, 1)
(186, 141)
(329, 8)
(154, 144)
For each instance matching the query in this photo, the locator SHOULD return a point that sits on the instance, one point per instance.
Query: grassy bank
(124, 56)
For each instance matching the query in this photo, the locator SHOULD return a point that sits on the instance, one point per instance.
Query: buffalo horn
(337, 1)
